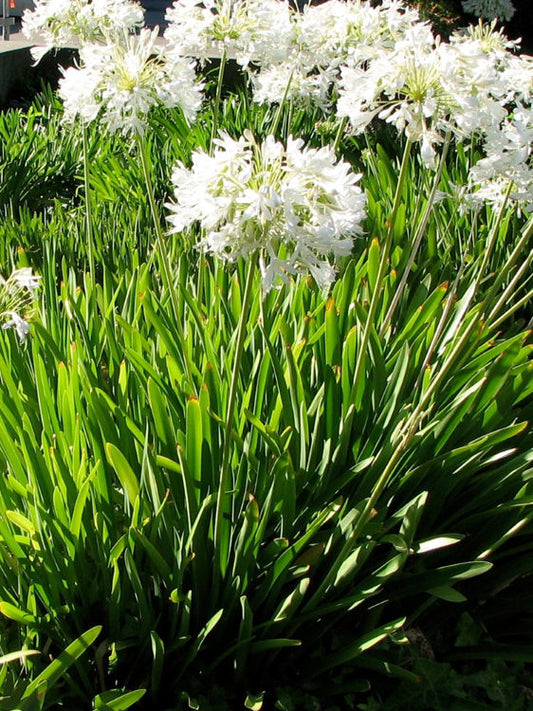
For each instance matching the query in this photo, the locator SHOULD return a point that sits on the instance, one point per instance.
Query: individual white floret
(24, 278)
(17, 295)
(22, 327)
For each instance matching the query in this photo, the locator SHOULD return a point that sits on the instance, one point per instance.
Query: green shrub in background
(444, 15)
(212, 510)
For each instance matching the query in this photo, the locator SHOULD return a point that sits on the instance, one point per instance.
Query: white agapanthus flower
(69, 23)
(490, 9)
(17, 295)
(292, 82)
(121, 81)
(338, 30)
(411, 86)
(298, 207)
(244, 30)
(505, 171)
(21, 326)
(25, 279)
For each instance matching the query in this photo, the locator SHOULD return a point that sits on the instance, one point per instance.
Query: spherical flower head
(121, 81)
(504, 173)
(323, 38)
(69, 23)
(245, 30)
(336, 31)
(427, 89)
(290, 81)
(411, 87)
(297, 207)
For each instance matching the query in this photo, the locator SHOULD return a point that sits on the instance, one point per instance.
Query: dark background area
(448, 15)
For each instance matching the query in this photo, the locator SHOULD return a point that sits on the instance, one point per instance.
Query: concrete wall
(15, 68)
(20, 80)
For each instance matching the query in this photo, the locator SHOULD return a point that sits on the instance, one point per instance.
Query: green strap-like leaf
(59, 666)
(124, 472)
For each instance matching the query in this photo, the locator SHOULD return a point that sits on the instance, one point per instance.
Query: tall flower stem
(218, 98)
(419, 234)
(221, 554)
(88, 207)
(279, 112)
(340, 131)
(161, 252)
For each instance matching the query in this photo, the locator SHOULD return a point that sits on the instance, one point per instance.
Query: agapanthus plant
(297, 207)
(292, 209)
(69, 23)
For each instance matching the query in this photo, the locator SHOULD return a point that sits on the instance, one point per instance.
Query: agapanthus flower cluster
(366, 63)
(17, 296)
(245, 30)
(505, 172)
(121, 81)
(428, 88)
(70, 23)
(337, 31)
(299, 208)
(490, 9)
(324, 37)
(289, 81)
(410, 86)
